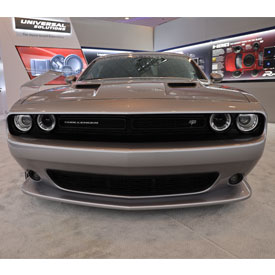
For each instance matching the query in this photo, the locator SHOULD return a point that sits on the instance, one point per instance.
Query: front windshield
(142, 66)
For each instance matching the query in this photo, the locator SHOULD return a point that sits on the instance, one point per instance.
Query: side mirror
(215, 77)
(70, 79)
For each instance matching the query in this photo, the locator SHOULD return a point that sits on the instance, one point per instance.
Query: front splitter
(219, 195)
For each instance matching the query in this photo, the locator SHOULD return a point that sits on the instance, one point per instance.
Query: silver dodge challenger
(138, 131)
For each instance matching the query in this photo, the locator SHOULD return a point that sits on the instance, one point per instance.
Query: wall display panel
(38, 60)
(200, 53)
(246, 57)
(92, 53)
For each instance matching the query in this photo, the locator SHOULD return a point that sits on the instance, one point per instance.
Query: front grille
(175, 123)
(133, 186)
(90, 123)
(135, 128)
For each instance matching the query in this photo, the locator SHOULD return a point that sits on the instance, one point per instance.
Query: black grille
(91, 123)
(135, 128)
(130, 128)
(168, 123)
(133, 185)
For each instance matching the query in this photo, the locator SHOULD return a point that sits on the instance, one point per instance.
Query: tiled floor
(34, 228)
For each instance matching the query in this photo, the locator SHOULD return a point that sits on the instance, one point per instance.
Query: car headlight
(46, 122)
(220, 122)
(247, 122)
(23, 122)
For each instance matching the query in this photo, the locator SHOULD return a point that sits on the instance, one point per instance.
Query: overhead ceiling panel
(143, 21)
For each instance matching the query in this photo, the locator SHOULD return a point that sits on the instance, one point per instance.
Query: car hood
(159, 88)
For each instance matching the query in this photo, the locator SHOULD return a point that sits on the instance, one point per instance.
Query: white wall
(185, 31)
(14, 70)
(105, 34)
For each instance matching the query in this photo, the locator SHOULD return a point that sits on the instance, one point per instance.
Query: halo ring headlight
(220, 122)
(247, 122)
(23, 122)
(46, 122)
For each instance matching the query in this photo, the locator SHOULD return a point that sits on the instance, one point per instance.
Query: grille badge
(192, 122)
(76, 122)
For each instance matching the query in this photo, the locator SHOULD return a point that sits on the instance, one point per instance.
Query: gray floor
(34, 228)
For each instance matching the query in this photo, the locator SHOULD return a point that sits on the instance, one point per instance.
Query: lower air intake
(133, 186)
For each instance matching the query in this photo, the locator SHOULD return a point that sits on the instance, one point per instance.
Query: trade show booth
(243, 54)
(174, 116)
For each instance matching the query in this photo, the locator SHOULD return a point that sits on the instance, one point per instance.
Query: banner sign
(42, 25)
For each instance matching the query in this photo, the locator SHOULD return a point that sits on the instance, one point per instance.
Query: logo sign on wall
(42, 25)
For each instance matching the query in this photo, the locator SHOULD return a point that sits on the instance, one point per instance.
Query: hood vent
(182, 85)
(87, 86)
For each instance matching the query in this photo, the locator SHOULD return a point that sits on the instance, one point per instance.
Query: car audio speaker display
(249, 60)
(74, 62)
(245, 57)
(40, 60)
(39, 66)
(269, 52)
(241, 59)
(269, 63)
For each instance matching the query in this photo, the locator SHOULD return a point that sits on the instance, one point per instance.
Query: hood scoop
(182, 85)
(87, 86)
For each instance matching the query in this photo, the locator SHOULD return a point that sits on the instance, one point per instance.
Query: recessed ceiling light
(127, 18)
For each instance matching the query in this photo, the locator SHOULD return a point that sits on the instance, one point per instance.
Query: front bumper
(138, 159)
(223, 194)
